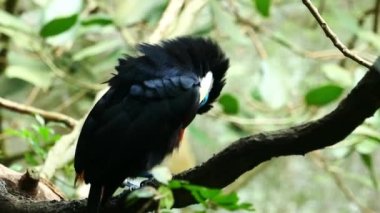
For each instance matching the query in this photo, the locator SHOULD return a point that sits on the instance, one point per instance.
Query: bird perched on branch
(152, 98)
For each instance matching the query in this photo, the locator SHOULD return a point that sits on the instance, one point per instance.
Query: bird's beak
(206, 84)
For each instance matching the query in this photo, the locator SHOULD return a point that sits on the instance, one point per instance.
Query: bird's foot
(130, 185)
(150, 182)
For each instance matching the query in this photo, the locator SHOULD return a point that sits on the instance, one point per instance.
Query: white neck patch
(206, 84)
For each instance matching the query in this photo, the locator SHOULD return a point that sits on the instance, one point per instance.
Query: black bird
(153, 97)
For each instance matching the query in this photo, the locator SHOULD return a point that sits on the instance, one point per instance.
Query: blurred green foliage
(58, 53)
(40, 138)
(212, 198)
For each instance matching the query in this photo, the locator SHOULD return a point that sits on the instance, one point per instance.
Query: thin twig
(332, 36)
(321, 161)
(73, 99)
(354, 38)
(250, 29)
(257, 43)
(32, 96)
(376, 17)
(61, 74)
(50, 116)
(186, 19)
(169, 16)
(361, 20)
(257, 28)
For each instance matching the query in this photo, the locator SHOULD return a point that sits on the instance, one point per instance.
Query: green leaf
(31, 159)
(226, 199)
(15, 22)
(45, 133)
(162, 174)
(255, 94)
(97, 20)
(40, 120)
(39, 78)
(367, 146)
(337, 74)
(166, 197)
(229, 103)
(370, 37)
(176, 184)
(263, 6)
(144, 192)
(208, 193)
(58, 25)
(211, 197)
(96, 49)
(368, 162)
(323, 95)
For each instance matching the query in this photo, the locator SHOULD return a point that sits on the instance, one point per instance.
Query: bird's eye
(204, 101)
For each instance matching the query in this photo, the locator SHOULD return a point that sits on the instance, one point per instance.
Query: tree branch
(332, 36)
(49, 116)
(376, 17)
(168, 17)
(247, 153)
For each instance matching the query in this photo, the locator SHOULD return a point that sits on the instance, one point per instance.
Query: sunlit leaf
(161, 174)
(370, 37)
(337, 74)
(230, 103)
(40, 119)
(39, 78)
(323, 95)
(166, 197)
(96, 49)
(144, 192)
(11, 21)
(367, 146)
(58, 26)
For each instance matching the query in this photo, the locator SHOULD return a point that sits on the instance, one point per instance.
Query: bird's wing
(148, 116)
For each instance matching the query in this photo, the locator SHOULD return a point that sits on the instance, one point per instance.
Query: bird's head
(200, 56)
(193, 56)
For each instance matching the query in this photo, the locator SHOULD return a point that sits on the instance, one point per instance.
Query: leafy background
(284, 71)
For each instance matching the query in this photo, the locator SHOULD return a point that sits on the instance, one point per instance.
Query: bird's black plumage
(141, 118)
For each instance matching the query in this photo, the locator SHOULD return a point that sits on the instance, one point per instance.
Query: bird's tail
(98, 196)
(94, 198)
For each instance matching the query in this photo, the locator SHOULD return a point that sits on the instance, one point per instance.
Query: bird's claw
(150, 182)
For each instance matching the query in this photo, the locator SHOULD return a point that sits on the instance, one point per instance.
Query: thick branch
(49, 116)
(246, 153)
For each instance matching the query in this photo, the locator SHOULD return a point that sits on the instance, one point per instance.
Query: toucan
(152, 98)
